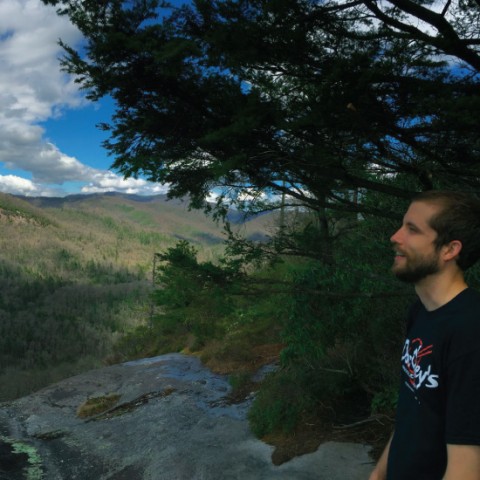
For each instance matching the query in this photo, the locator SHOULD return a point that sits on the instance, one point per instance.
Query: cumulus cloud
(105, 181)
(31, 84)
(22, 186)
(33, 90)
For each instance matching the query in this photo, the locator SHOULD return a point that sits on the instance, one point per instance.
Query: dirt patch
(249, 361)
(96, 405)
(130, 406)
(374, 431)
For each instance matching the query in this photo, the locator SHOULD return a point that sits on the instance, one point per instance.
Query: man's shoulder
(467, 300)
(464, 323)
(472, 292)
(469, 297)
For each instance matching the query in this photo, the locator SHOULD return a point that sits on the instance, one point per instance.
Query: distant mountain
(233, 216)
(69, 199)
(113, 227)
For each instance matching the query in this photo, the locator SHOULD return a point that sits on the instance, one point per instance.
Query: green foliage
(201, 302)
(344, 328)
(46, 321)
(16, 211)
(149, 340)
(139, 216)
(279, 404)
(191, 294)
(385, 401)
(239, 380)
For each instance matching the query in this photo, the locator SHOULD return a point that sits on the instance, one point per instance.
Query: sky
(49, 142)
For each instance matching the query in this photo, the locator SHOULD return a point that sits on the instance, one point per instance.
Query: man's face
(415, 253)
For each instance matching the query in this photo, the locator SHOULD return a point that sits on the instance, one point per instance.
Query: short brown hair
(458, 219)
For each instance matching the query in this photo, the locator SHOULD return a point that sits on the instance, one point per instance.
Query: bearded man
(437, 428)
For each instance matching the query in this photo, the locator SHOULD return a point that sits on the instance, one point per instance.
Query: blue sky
(49, 143)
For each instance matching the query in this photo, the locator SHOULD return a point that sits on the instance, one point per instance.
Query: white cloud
(33, 90)
(105, 181)
(31, 82)
(213, 196)
(22, 186)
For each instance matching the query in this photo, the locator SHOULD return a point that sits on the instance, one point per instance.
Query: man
(437, 432)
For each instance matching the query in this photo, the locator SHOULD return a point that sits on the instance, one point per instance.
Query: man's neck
(435, 291)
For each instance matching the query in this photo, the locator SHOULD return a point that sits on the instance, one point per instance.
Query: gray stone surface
(178, 427)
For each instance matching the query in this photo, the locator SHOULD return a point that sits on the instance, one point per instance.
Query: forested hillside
(76, 274)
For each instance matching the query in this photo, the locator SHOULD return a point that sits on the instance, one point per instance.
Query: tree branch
(449, 41)
(322, 293)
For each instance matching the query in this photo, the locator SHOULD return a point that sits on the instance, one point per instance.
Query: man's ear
(452, 250)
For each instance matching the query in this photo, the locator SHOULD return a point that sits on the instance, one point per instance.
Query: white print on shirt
(418, 375)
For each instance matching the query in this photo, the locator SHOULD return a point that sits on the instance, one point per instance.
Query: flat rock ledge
(171, 422)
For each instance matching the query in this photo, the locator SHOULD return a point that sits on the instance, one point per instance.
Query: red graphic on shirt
(416, 366)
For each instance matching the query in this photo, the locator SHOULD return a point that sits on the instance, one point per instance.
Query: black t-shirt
(439, 400)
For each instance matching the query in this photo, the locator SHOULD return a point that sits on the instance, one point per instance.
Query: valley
(76, 275)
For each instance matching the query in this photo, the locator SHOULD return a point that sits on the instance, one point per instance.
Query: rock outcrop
(171, 422)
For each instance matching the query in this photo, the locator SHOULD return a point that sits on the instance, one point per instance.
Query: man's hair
(458, 219)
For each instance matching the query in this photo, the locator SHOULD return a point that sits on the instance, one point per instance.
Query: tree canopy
(320, 102)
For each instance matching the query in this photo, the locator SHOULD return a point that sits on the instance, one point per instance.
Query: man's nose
(396, 237)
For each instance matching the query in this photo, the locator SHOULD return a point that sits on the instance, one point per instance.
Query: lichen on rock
(28, 460)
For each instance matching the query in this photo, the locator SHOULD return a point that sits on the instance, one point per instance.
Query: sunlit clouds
(22, 186)
(34, 90)
(108, 182)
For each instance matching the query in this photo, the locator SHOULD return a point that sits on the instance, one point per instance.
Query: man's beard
(418, 269)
